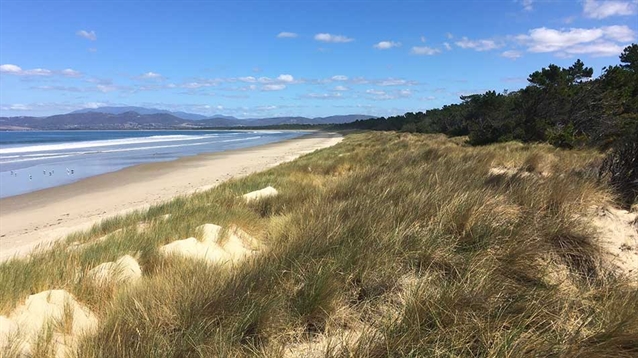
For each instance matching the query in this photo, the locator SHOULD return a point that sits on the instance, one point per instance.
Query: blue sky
(275, 58)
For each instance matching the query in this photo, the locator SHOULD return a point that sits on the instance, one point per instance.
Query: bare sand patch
(260, 194)
(54, 310)
(214, 249)
(125, 270)
(618, 236)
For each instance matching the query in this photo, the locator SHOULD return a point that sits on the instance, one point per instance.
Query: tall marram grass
(384, 245)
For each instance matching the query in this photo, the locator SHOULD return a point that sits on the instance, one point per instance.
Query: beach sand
(47, 215)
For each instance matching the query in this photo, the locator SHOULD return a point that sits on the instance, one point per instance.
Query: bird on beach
(30, 177)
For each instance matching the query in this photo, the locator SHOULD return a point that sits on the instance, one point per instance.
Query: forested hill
(562, 106)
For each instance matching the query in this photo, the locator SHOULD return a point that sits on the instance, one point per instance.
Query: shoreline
(43, 216)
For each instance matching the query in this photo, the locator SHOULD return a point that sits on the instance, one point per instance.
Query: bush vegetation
(388, 244)
(565, 107)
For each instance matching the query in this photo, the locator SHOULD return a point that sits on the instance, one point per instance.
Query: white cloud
(478, 45)
(89, 35)
(195, 85)
(287, 35)
(339, 78)
(18, 107)
(511, 54)
(449, 36)
(447, 46)
(601, 9)
(595, 41)
(323, 95)
(249, 79)
(278, 87)
(11, 69)
(38, 72)
(597, 49)
(71, 73)
(151, 76)
(106, 88)
(375, 92)
(325, 37)
(286, 78)
(423, 39)
(527, 4)
(619, 33)
(392, 82)
(424, 50)
(405, 93)
(18, 71)
(386, 45)
(341, 88)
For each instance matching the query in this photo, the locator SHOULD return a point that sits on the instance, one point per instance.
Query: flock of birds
(51, 172)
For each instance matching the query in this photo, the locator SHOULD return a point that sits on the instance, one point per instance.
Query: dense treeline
(562, 106)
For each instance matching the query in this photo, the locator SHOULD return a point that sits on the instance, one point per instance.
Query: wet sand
(47, 215)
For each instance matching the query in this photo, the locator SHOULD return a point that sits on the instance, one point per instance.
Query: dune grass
(386, 244)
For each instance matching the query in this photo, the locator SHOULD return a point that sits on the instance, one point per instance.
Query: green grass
(403, 243)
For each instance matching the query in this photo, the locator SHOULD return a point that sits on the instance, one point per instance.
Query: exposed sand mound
(510, 172)
(56, 310)
(260, 194)
(214, 249)
(209, 232)
(618, 233)
(239, 244)
(124, 270)
(324, 345)
(192, 248)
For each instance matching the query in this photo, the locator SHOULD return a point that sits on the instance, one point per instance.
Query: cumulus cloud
(339, 78)
(89, 35)
(386, 45)
(325, 37)
(424, 50)
(287, 35)
(286, 78)
(602, 9)
(11, 69)
(447, 46)
(511, 54)
(275, 87)
(478, 45)
(70, 73)
(341, 88)
(249, 79)
(595, 41)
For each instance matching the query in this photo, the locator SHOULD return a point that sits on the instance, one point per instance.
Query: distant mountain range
(151, 118)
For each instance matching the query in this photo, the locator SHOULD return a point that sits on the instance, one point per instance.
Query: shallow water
(31, 161)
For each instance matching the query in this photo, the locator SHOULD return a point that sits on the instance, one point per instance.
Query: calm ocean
(31, 161)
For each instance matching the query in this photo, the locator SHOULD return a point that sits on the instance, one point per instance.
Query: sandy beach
(47, 215)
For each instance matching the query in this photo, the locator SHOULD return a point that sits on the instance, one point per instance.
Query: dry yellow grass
(385, 245)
